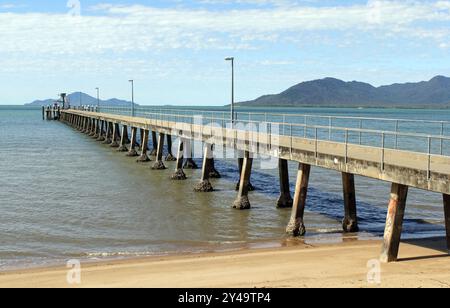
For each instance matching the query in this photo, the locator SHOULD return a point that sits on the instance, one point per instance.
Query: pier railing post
(144, 147)
(205, 184)
(179, 172)
(242, 202)
(447, 218)
(394, 223)
(350, 222)
(159, 164)
(296, 226)
(132, 151)
(285, 199)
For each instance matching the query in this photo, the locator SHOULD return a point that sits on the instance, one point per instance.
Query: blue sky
(175, 49)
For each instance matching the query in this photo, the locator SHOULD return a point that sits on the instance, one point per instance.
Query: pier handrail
(442, 127)
(384, 139)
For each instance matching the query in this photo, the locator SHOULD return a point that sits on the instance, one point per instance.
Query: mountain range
(331, 92)
(79, 98)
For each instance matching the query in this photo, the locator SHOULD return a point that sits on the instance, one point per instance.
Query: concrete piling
(394, 223)
(101, 133)
(179, 174)
(242, 202)
(159, 164)
(144, 147)
(350, 222)
(240, 167)
(205, 184)
(115, 136)
(296, 226)
(123, 139)
(447, 218)
(189, 163)
(132, 151)
(170, 156)
(154, 144)
(108, 133)
(285, 199)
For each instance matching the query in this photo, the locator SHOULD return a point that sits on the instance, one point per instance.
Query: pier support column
(101, 133)
(350, 222)
(132, 152)
(394, 223)
(93, 128)
(170, 156)
(189, 163)
(97, 129)
(155, 144)
(447, 218)
(144, 147)
(159, 164)
(205, 184)
(123, 139)
(115, 136)
(296, 225)
(108, 133)
(213, 173)
(240, 167)
(285, 200)
(179, 174)
(242, 202)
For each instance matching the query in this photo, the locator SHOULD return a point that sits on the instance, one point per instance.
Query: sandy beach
(423, 263)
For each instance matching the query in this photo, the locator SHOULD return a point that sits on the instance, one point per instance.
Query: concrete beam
(394, 223)
(242, 202)
(296, 226)
(285, 199)
(350, 222)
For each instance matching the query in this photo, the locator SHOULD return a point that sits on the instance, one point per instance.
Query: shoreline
(423, 263)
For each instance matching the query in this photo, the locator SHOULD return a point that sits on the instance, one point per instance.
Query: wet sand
(423, 263)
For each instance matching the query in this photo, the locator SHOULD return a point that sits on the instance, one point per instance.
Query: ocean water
(64, 196)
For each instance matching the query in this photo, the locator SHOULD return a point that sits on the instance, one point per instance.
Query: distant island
(78, 97)
(331, 92)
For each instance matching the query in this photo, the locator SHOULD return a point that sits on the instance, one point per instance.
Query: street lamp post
(132, 97)
(232, 88)
(98, 98)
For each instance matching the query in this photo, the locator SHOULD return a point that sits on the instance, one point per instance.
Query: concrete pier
(154, 144)
(296, 225)
(242, 202)
(143, 158)
(240, 168)
(422, 170)
(447, 218)
(115, 136)
(394, 223)
(132, 151)
(350, 222)
(101, 133)
(108, 134)
(170, 156)
(159, 164)
(205, 184)
(285, 199)
(123, 139)
(179, 174)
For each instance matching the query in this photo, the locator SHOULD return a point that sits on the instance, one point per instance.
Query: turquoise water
(65, 196)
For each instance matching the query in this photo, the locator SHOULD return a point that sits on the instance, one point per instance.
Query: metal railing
(421, 136)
